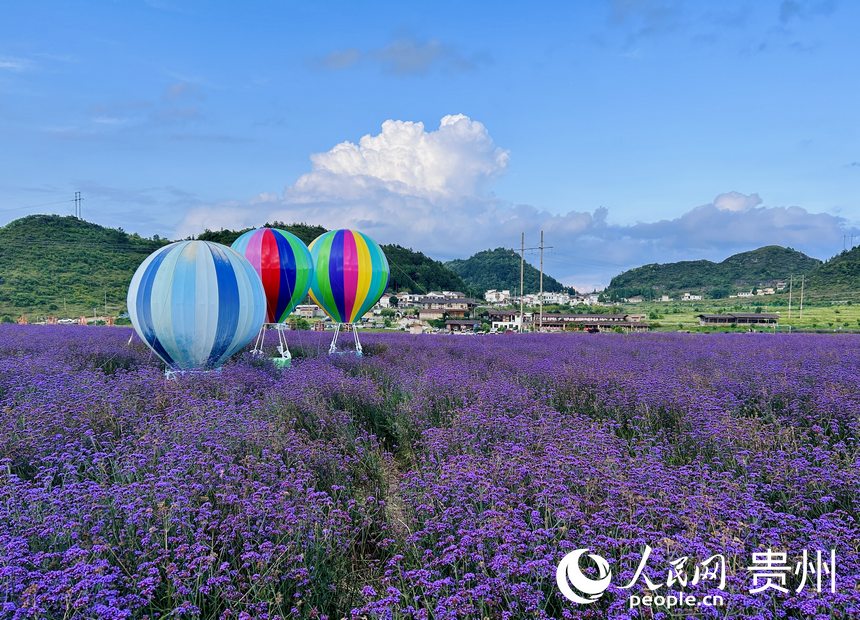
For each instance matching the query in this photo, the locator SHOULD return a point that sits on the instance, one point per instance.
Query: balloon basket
(282, 362)
(282, 347)
(349, 327)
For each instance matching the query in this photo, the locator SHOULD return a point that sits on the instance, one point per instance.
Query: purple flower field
(437, 477)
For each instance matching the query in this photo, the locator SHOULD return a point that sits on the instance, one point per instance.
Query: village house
(503, 320)
(593, 322)
(739, 318)
(431, 308)
(462, 325)
(691, 297)
(406, 300)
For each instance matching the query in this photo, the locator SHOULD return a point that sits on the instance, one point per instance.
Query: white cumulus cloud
(737, 202)
(456, 159)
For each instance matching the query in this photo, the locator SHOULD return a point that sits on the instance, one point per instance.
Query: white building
(309, 311)
(691, 297)
(497, 297)
(503, 320)
(556, 298)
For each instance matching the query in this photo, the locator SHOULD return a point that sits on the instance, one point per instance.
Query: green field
(677, 315)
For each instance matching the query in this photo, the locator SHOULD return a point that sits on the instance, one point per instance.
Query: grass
(678, 315)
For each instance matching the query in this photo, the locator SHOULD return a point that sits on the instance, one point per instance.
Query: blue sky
(631, 131)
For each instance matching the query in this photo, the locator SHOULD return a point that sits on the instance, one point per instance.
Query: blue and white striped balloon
(196, 303)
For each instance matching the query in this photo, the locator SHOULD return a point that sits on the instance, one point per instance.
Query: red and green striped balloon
(284, 265)
(350, 274)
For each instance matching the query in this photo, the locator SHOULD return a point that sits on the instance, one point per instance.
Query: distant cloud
(11, 63)
(799, 10)
(646, 18)
(736, 202)
(405, 56)
(429, 189)
(178, 107)
(183, 89)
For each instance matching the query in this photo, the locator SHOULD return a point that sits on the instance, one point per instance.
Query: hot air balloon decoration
(195, 304)
(284, 265)
(350, 275)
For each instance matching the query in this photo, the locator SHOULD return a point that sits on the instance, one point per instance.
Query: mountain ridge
(500, 269)
(764, 266)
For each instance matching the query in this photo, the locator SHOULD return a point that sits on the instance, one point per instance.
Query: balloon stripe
(252, 306)
(144, 306)
(228, 303)
(270, 272)
(183, 310)
(319, 292)
(162, 302)
(351, 268)
(365, 275)
(241, 243)
(286, 277)
(304, 268)
(336, 275)
(380, 271)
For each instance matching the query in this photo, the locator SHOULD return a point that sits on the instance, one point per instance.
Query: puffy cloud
(454, 160)
(427, 189)
(737, 202)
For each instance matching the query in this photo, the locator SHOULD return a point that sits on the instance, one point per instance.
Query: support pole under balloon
(282, 348)
(349, 327)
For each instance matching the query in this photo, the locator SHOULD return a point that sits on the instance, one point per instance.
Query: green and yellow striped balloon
(350, 274)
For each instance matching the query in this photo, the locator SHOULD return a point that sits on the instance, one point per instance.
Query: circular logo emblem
(575, 585)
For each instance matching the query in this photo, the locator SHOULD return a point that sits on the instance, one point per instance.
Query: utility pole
(802, 281)
(540, 298)
(78, 201)
(790, 284)
(522, 268)
(105, 303)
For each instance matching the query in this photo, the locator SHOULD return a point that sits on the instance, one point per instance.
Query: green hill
(744, 271)
(54, 265)
(410, 270)
(838, 277)
(500, 269)
(63, 266)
